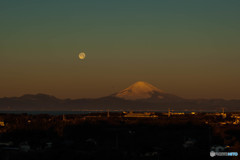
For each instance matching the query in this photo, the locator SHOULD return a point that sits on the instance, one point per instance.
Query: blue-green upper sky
(188, 48)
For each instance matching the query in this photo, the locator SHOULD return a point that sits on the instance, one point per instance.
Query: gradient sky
(188, 48)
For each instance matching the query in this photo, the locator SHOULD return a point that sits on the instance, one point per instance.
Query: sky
(189, 48)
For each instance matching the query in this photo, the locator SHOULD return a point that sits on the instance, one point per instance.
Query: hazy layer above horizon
(187, 48)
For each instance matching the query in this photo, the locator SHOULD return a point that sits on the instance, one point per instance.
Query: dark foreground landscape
(118, 136)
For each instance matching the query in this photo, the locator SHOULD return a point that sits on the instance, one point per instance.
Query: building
(237, 118)
(2, 124)
(139, 114)
(24, 147)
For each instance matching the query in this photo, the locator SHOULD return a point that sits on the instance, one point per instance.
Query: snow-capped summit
(139, 90)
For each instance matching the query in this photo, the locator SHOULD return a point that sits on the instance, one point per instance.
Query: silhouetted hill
(30, 102)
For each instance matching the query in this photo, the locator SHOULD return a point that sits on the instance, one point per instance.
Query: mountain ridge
(139, 96)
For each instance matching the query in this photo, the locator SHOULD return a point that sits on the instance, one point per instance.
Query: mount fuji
(145, 92)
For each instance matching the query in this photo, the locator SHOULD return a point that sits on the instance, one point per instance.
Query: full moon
(82, 55)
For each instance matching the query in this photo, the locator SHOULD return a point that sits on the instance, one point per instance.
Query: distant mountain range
(139, 96)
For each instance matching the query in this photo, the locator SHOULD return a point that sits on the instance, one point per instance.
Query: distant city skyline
(187, 48)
